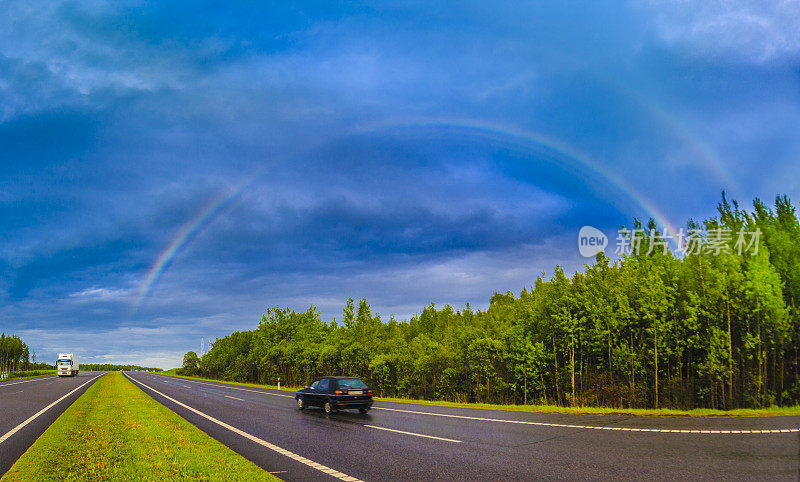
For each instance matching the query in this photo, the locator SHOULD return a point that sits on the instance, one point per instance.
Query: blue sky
(169, 171)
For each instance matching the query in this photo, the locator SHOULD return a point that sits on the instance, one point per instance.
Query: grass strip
(115, 431)
(30, 374)
(661, 412)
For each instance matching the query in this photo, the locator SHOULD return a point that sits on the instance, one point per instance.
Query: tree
(714, 328)
(764, 293)
(190, 363)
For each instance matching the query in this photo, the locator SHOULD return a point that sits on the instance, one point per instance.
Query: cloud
(121, 121)
(753, 31)
(101, 294)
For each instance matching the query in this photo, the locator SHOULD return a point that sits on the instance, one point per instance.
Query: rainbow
(568, 156)
(185, 235)
(705, 154)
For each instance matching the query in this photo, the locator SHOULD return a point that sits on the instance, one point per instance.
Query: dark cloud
(341, 134)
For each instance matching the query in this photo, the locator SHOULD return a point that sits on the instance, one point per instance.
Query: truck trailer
(67, 364)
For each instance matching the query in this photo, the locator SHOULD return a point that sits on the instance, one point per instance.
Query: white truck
(67, 365)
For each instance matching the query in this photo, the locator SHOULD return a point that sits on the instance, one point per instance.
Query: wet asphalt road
(22, 399)
(417, 442)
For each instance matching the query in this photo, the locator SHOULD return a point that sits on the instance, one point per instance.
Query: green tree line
(14, 353)
(712, 328)
(108, 367)
(15, 356)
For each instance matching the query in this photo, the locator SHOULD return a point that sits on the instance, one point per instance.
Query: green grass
(698, 412)
(115, 431)
(30, 374)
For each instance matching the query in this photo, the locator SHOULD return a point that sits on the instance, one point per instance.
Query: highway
(418, 442)
(28, 407)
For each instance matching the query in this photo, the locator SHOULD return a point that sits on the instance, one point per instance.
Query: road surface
(28, 407)
(407, 441)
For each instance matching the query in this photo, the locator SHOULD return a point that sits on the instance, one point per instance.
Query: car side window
(324, 384)
(315, 384)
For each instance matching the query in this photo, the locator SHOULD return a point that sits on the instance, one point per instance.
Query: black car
(335, 393)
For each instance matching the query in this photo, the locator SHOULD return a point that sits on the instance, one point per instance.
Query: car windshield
(351, 383)
(64, 362)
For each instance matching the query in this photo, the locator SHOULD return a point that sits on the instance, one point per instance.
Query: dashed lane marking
(36, 415)
(544, 424)
(415, 434)
(595, 427)
(264, 443)
(240, 399)
(219, 385)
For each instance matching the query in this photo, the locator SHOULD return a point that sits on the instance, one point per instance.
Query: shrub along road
(409, 441)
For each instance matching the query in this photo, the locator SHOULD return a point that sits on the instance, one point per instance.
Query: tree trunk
(544, 387)
(555, 357)
(655, 359)
(730, 357)
(758, 332)
(572, 368)
(783, 368)
(580, 347)
(633, 376)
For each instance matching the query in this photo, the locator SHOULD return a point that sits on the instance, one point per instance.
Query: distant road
(24, 412)
(398, 441)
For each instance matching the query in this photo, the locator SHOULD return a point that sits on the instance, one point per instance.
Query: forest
(715, 327)
(108, 367)
(14, 354)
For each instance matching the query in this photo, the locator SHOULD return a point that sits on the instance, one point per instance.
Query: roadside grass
(29, 374)
(661, 412)
(115, 431)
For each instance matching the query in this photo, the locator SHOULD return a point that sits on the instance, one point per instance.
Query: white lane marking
(521, 422)
(186, 386)
(222, 385)
(414, 434)
(26, 381)
(241, 400)
(36, 415)
(264, 443)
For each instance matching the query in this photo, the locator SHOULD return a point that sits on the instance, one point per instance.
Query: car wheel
(328, 407)
(363, 410)
(301, 404)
